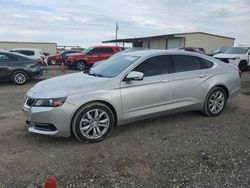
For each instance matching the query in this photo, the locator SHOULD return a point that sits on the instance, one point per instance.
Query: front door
(150, 95)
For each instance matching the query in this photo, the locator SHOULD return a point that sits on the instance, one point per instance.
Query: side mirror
(134, 75)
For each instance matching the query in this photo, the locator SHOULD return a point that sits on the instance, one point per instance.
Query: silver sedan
(129, 87)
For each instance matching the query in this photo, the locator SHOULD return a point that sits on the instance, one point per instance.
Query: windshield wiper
(94, 74)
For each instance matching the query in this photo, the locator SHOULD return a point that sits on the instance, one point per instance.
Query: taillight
(37, 62)
(240, 73)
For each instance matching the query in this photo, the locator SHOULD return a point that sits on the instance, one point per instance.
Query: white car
(33, 53)
(240, 56)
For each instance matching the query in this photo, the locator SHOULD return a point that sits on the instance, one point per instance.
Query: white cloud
(88, 23)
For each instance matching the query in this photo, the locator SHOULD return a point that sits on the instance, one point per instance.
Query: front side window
(107, 50)
(96, 51)
(183, 63)
(154, 66)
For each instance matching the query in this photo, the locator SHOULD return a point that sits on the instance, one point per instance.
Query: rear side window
(27, 52)
(183, 63)
(205, 64)
(7, 57)
(3, 57)
(154, 66)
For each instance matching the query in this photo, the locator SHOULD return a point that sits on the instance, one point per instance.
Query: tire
(80, 65)
(243, 66)
(93, 122)
(53, 62)
(19, 77)
(215, 102)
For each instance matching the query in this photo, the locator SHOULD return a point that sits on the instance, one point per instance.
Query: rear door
(189, 80)
(150, 95)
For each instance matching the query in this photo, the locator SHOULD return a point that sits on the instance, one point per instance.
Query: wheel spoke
(104, 121)
(85, 128)
(101, 114)
(96, 113)
(94, 132)
(87, 132)
(89, 116)
(98, 130)
(103, 125)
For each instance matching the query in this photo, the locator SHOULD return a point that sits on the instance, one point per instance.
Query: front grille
(30, 101)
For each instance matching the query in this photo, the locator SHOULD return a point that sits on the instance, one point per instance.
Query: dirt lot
(182, 150)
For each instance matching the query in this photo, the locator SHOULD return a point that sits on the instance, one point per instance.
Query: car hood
(63, 86)
(222, 55)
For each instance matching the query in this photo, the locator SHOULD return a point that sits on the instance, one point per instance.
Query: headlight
(50, 102)
(235, 58)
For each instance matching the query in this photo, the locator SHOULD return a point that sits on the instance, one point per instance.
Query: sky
(87, 23)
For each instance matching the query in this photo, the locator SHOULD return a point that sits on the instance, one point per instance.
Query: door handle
(201, 75)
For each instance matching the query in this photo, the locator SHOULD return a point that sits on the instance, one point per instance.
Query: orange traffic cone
(62, 67)
(50, 182)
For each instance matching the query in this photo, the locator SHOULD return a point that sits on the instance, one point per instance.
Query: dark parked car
(17, 68)
(60, 57)
(193, 49)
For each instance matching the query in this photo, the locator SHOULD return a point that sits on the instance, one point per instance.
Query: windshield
(87, 50)
(113, 66)
(237, 50)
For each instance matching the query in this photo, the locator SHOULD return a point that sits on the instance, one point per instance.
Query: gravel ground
(182, 150)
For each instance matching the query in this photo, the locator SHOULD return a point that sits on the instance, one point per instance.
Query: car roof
(150, 52)
(161, 52)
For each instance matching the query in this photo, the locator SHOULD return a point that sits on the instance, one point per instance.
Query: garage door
(154, 44)
(173, 43)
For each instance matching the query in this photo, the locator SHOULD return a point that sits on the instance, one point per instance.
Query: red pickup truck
(89, 56)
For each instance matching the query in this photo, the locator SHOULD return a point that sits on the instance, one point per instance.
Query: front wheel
(93, 123)
(215, 102)
(53, 62)
(80, 65)
(243, 66)
(19, 77)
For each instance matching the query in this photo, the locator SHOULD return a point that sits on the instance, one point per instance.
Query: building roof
(28, 42)
(174, 35)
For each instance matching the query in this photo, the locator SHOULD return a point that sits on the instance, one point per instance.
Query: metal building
(204, 40)
(45, 46)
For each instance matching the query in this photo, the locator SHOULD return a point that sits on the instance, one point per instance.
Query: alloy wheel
(20, 78)
(216, 102)
(94, 123)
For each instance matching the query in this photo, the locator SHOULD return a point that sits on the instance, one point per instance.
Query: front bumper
(53, 121)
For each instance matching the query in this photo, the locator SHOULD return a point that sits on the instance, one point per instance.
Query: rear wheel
(243, 66)
(93, 123)
(215, 102)
(19, 77)
(80, 65)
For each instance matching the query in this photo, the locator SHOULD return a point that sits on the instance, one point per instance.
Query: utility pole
(116, 30)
